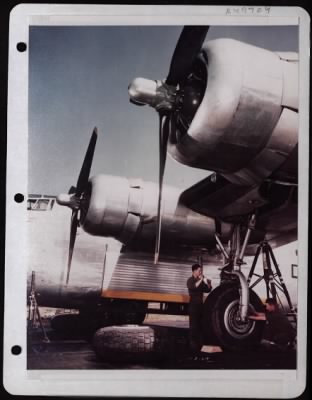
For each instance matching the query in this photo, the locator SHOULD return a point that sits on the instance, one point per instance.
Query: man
(197, 285)
(278, 334)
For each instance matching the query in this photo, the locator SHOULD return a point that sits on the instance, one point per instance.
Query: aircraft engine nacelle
(126, 210)
(246, 124)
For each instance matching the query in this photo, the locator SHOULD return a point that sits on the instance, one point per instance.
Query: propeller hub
(142, 91)
(190, 99)
(155, 93)
(68, 200)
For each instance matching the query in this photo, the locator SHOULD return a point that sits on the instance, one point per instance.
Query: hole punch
(16, 350)
(19, 198)
(21, 47)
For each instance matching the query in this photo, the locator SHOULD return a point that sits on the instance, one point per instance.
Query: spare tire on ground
(131, 342)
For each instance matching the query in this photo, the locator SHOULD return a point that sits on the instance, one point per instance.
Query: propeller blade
(164, 131)
(189, 45)
(86, 166)
(72, 190)
(72, 239)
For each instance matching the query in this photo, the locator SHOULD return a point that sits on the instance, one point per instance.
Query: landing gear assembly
(228, 306)
(274, 281)
(223, 324)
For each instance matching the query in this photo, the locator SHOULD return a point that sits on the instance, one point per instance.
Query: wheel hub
(233, 323)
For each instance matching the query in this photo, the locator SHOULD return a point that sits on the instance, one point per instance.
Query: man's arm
(258, 316)
(199, 281)
(191, 284)
(207, 284)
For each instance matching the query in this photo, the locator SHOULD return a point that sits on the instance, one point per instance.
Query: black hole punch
(16, 350)
(21, 46)
(19, 198)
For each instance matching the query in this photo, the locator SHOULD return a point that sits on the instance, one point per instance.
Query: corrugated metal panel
(141, 274)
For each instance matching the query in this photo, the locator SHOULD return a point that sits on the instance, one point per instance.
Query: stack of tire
(131, 342)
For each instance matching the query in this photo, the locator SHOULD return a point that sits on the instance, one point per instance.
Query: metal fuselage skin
(100, 271)
(120, 214)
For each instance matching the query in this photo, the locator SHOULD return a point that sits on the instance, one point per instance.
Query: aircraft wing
(275, 205)
(215, 196)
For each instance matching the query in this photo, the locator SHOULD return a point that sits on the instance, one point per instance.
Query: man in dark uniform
(278, 334)
(197, 284)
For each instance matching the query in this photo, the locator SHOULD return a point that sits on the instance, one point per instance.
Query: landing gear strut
(233, 263)
(274, 281)
(229, 305)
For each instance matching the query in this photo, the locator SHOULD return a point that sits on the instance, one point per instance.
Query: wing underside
(274, 204)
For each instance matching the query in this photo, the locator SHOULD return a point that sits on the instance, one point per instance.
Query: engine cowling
(246, 125)
(126, 210)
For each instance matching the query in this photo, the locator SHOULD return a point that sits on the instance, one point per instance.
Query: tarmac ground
(74, 350)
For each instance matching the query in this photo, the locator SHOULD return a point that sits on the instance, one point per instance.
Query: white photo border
(178, 383)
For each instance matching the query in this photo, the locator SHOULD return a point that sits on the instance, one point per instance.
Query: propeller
(189, 45)
(167, 97)
(72, 238)
(86, 165)
(164, 132)
(74, 196)
(187, 49)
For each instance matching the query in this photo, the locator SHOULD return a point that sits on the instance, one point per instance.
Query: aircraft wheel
(231, 332)
(130, 342)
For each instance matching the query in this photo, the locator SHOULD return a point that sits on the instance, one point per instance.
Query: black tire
(209, 335)
(231, 334)
(131, 342)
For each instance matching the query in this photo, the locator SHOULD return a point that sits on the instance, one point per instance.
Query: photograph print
(162, 207)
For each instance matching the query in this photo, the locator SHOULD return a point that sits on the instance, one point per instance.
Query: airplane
(234, 116)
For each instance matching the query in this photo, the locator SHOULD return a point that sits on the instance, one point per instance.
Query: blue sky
(79, 78)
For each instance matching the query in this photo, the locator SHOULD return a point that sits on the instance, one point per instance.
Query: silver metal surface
(251, 226)
(156, 94)
(143, 91)
(98, 265)
(244, 295)
(280, 145)
(224, 252)
(247, 117)
(119, 211)
(233, 323)
(137, 272)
